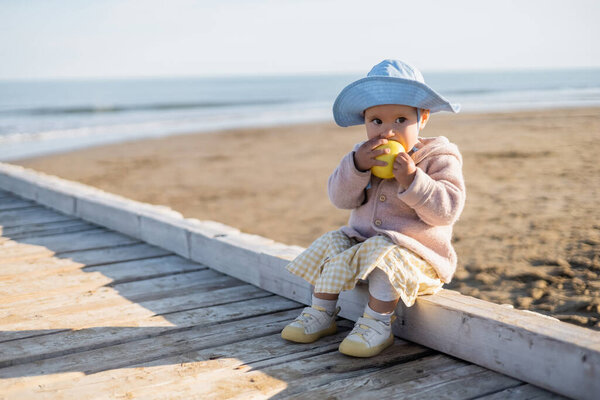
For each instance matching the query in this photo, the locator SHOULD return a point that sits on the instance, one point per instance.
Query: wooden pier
(146, 312)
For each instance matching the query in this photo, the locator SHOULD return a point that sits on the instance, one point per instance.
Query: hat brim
(378, 90)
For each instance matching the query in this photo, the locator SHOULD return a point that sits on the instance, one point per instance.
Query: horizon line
(284, 74)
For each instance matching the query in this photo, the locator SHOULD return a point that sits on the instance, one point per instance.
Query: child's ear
(424, 118)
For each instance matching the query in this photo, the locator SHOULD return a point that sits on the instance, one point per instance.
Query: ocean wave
(15, 146)
(518, 91)
(159, 127)
(23, 137)
(106, 109)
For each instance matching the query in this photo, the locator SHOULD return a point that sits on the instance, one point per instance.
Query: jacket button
(382, 198)
(378, 222)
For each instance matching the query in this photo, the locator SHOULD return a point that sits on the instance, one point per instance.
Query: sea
(45, 117)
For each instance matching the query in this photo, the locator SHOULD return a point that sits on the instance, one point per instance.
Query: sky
(48, 39)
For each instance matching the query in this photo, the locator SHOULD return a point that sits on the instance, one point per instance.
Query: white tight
(380, 286)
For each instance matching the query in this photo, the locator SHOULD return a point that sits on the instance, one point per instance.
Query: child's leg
(325, 301)
(318, 320)
(372, 332)
(383, 307)
(327, 296)
(314, 322)
(383, 298)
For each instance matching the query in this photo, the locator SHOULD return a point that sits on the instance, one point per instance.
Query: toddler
(399, 231)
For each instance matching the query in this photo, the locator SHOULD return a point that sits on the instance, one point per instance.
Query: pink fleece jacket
(419, 218)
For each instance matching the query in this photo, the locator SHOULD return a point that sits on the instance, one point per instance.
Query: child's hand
(404, 170)
(364, 157)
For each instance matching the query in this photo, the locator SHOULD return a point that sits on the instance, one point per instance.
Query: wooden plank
(123, 253)
(304, 386)
(75, 280)
(11, 251)
(307, 378)
(7, 204)
(50, 228)
(172, 344)
(110, 307)
(104, 336)
(257, 339)
(18, 206)
(437, 376)
(106, 259)
(118, 272)
(69, 242)
(93, 338)
(33, 216)
(72, 280)
(144, 269)
(223, 372)
(462, 383)
(202, 377)
(523, 392)
(152, 288)
(32, 269)
(41, 347)
(229, 371)
(131, 252)
(169, 350)
(103, 307)
(84, 291)
(7, 197)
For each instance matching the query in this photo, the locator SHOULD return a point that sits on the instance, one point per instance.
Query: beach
(529, 235)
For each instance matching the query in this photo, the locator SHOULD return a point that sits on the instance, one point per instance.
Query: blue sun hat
(389, 82)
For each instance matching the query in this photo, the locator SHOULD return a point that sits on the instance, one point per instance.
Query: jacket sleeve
(438, 196)
(346, 185)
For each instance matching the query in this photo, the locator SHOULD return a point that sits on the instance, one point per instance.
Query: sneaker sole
(297, 335)
(355, 349)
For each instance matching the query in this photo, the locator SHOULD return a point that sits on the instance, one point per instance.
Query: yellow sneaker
(312, 324)
(368, 338)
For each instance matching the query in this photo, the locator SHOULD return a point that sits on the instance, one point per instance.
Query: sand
(529, 235)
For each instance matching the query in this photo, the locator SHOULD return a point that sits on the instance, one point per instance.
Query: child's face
(394, 122)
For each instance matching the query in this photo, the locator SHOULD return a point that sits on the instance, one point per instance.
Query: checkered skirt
(336, 262)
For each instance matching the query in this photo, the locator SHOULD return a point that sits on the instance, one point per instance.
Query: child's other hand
(404, 170)
(364, 157)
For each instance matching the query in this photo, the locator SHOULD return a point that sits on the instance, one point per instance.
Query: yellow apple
(386, 172)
